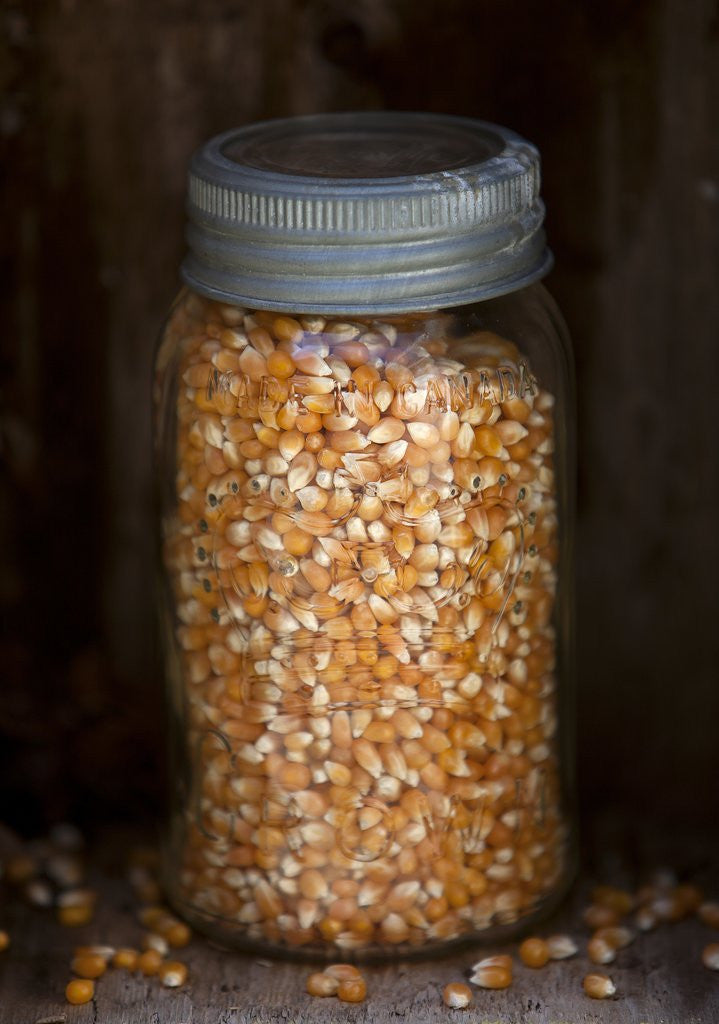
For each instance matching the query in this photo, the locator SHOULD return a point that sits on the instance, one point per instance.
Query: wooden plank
(659, 978)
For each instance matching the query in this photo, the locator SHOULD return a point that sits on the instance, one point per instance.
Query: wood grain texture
(659, 978)
(103, 103)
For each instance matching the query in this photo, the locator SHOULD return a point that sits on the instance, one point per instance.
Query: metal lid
(364, 213)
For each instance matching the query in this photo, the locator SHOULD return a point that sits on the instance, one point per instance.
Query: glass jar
(364, 446)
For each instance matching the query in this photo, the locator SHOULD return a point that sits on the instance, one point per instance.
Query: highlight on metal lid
(364, 213)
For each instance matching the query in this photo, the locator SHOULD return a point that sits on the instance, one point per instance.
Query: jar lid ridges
(471, 230)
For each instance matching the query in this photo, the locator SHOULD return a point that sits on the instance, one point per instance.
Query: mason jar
(365, 457)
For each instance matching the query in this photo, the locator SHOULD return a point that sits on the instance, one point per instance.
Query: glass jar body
(366, 542)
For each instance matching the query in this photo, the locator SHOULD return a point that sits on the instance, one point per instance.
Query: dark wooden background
(103, 102)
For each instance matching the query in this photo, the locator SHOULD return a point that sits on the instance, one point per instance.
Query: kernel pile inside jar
(361, 541)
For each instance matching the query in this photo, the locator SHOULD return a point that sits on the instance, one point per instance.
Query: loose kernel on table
(616, 936)
(149, 962)
(79, 991)
(600, 952)
(645, 919)
(599, 916)
(618, 900)
(688, 897)
(457, 995)
(598, 986)
(106, 952)
(534, 952)
(493, 972)
(75, 917)
(126, 958)
(322, 984)
(76, 907)
(151, 940)
(561, 947)
(151, 916)
(352, 990)
(710, 956)
(4, 941)
(342, 972)
(173, 974)
(89, 965)
(176, 933)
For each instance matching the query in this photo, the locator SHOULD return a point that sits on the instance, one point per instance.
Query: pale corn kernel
(710, 956)
(561, 947)
(173, 974)
(492, 976)
(497, 960)
(342, 972)
(598, 986)
(151, 940)
(322, 984)
(616, 936)
(645, 919)
(599, 951)
(457, 995)
(106, 953)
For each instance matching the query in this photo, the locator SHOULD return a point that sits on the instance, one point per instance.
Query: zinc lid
(374, 212)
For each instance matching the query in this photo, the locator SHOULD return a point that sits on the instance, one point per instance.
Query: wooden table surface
(659, 978)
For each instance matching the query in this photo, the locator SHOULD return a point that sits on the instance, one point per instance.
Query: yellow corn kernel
(598, 986)
(173, 974)
(149, 962)
(89, 966)
(79, 991)
(126, 958)
(457, 995)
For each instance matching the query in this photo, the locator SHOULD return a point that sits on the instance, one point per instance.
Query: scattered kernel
(561, 947)
(342, 972)
(493, 972)
(79, 991)
(149, 962)
(151, 940)
(616, 936)
(177, 934)
(598, 986)
(4, 941)
(322, 984)
(618, 900)
(534, 952)
(352, 990)
(173, 974)
(710, 956)
(600, 952)
(457, 995)
(74, 917)
(126, 958)
(89, 966)
(599, 916)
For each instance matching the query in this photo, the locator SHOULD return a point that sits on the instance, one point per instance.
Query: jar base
(224, 935)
